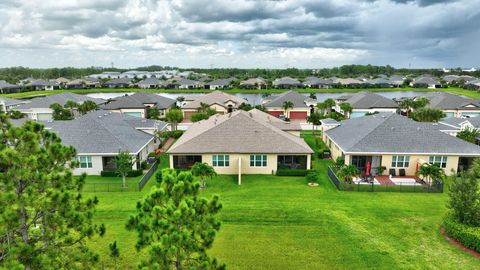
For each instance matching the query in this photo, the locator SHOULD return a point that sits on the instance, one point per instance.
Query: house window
(441, 161)
(258, 160)
(85, 161)
(221, 161)
(400, 161)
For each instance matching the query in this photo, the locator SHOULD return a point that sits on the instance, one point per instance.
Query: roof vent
(99, 116)
(418, 128)
(251, 115)
(393, 128)
(435, 124)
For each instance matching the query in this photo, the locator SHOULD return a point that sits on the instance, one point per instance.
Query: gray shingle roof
(393, 133)
(444, 100)
(329, 121)
(119, 81)
(138, 100)
(315, 80)
(62, 98)
(221, 82)
(286, 81)
(44, 83)
(426, 80)
(215, 97)
(253, 81)
(151, 81)
(295, 97)
(102, 132)
(369, 100)
(237, 133)
(5, 85)
(11, 101)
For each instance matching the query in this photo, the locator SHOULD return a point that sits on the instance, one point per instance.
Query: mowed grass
(274, 222)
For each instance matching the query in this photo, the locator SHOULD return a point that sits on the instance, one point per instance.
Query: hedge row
(172, 134)
(291, 172)
(132, 173)
(467, 235)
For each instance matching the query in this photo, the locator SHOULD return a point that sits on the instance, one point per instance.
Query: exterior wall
(245, 164)
(34, 113)
(335, 151)
(97, 167)
(142, 111)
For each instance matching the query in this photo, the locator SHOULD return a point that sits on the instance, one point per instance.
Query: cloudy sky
(240, 33)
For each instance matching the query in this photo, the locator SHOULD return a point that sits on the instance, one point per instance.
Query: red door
(298, 115)
(275, 113)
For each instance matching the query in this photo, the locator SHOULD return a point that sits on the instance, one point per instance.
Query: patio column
(309, 161)
(239, 170)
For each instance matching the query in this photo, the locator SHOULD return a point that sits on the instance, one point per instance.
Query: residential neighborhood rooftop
(443, 100)
(393, 133)
(368, 100)
(139, 100)
(215, 97)
(62, 98)
(296, 98)
(237, 132)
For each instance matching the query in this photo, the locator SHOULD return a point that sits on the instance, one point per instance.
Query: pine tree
(114, 252)
(44, 221)
(176, 225)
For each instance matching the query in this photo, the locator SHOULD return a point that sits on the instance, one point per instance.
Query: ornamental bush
(467, 235)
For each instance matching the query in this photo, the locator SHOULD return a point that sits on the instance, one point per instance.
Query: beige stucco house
(453, 105)
(138, 103)
(220, 101)
(397, 142)
(240, 143)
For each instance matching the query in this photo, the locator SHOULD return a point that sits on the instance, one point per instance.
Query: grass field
(455, 90)
(274, 222)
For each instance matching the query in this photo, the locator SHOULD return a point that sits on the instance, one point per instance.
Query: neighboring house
(8, 104)
(76, 84)
(254, 83)
(39, 108)
(426, 82)
(61, 81)
(453, 125)
(118, 83)
(219, 84)
(397, 142)
(349, 82)
(314, 82)
(286, 83)
(150, 83)
(138, 103)
(239, 143)
(92, 82)
(327, 124)
(366, 102)
(380, 82)
(473, 85)
(188, 84)
(9, 88)
(220, 101)
(100, 135)
(44, 85)
(106, 75)
(396, 81)
(453, 105)
(299, 112)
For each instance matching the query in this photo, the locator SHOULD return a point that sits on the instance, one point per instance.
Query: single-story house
(118, 83)
(62, 81)
(396, 81)
(254, 83)
(314, 82)
(8, 104)
(76, 84)
(379, 82)
(293, 128)
(220, 101)
(397, 142)
(39, 108)
(182, 83)
(150, 83)
(138, 103)
(219, 84)
(366, 102)
(473, 85)
(299, 112)
(453, 105)
(239, 143)
(348, 82)
(426, 82)
(44, 85)
(453, 125)
(286, 83)
(99, 136)
(9, 88)
(92, 82)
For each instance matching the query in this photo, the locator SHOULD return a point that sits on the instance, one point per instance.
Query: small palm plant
(286, 106)
(430, 172)
(347, 173)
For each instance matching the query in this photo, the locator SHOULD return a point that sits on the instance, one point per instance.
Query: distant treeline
(15, 74)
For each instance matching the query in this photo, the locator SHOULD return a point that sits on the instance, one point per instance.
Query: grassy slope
(454, 90)
(280, 223)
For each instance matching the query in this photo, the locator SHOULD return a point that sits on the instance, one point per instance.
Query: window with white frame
(400, 161)
(441, 161)
(85, 161)
(221, 160)
(258, 160)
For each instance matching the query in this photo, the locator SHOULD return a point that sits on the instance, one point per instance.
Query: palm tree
(407, 105)
(174, 116)
(346, 108)
(347, 173)
(312, 96)
(430, 172)
(203, 171)
(71, 105)
(428, 115)
(314, 118)
(329, 103)
(203, 107)
(287, 105)
(322, 107)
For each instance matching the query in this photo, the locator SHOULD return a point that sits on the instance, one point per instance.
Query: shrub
(172, 134)
(291, 172)
(132, 173)
(312, 176)
(467, 235)
(143, 165)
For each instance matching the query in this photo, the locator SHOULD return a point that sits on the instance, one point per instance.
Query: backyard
(272, 222)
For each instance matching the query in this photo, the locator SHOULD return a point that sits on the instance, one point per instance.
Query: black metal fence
(110, 187)
(147, 176)
(436, 187)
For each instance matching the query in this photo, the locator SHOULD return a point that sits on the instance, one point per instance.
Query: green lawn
(455, 90)
(274, 222)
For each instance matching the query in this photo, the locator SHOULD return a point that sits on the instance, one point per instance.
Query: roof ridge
(371, 131)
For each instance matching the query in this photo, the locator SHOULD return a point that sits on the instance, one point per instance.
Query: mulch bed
(458, 244)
